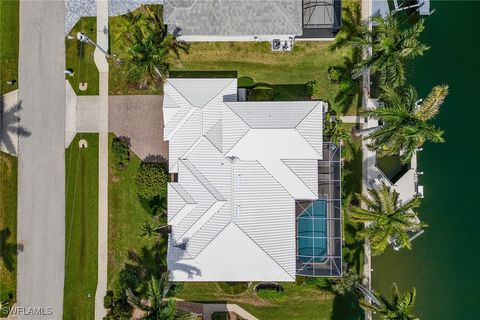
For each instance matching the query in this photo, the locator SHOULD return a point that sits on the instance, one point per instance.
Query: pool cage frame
(329, 190)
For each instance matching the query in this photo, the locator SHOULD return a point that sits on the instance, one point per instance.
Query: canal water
(444, 264)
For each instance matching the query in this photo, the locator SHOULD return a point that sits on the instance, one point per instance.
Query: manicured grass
(286, 72)
(80, 57)
(81, 223)
(9, 15)
(301, 302)
(8, 227)
(126, 214)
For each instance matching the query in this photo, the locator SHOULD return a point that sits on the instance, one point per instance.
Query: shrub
(313, 88)
(134, 76)
(220, 316)
(348, 86)
(334, 74)
(108, 299)
(347, 283)
(175, 289)
(320, 282)
(261, 94)
(246, 82)
(271, 294)
(151, 180)
(120, 151)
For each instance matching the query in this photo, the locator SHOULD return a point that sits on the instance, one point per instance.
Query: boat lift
(422, 5)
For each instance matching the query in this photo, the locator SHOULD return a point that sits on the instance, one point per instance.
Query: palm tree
(398, 307)
(391, 46)
(152, 228)
(155, 305)
(405, 120)
(336, 131)
(151, 49)
(386, 218)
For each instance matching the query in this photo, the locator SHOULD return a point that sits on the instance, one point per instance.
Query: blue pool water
(312, 233)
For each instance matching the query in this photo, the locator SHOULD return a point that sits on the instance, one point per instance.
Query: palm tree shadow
(344, 98)
(10, 126)
(8, 249)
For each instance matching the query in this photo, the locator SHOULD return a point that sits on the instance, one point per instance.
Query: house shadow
(204, 74)
(10, 128)
(290, 92)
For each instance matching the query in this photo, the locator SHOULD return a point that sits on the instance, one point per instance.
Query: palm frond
(430, 107)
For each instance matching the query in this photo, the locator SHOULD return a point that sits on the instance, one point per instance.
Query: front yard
(81, 228)
(9, 28)
(79, 57)
(8, 228)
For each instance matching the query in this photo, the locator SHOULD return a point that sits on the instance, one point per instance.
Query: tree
(151, 48)
(386, 218)
(398, 307)
(391, 46)
(151, 180)
(152, 228)
(406, 124)
(336, 131)
(154, 305)
(347, 283)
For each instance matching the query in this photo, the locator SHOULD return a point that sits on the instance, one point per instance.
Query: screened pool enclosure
(319, 224)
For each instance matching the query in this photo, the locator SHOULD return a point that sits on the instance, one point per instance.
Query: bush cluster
(151, 180)
(313, 88)
(121, 152)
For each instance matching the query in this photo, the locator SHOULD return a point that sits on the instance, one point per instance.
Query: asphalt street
(41, 175)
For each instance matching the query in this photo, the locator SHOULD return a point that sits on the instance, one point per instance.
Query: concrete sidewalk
(102, 65)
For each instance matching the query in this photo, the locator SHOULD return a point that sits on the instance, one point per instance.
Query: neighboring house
(252, 20)
(254, 192)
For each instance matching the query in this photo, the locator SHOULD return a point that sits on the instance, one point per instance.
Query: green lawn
(9, 14)
(288, 72)
(126, 214)
(81, 223)
(8, 227)
(301, 302)
(79, 57)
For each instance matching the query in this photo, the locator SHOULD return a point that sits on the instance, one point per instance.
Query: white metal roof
(241, 166)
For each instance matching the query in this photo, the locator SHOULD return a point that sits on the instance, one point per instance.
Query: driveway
(139, 118)
(41, 169)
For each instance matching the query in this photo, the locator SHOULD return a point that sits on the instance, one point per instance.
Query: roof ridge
(202, 179)
(219, 93)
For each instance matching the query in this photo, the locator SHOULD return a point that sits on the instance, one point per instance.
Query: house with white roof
(252, 20)
(254, 192)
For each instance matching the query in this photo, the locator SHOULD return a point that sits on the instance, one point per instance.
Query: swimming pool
(312, 233)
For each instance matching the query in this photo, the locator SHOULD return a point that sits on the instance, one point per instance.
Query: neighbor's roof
(234, 17)
(240, 166)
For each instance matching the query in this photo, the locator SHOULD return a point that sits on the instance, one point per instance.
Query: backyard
(8, 228)
(9, 15)
(79, 57)
(81, 223)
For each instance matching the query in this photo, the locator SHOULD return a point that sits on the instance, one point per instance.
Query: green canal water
(444, 265)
